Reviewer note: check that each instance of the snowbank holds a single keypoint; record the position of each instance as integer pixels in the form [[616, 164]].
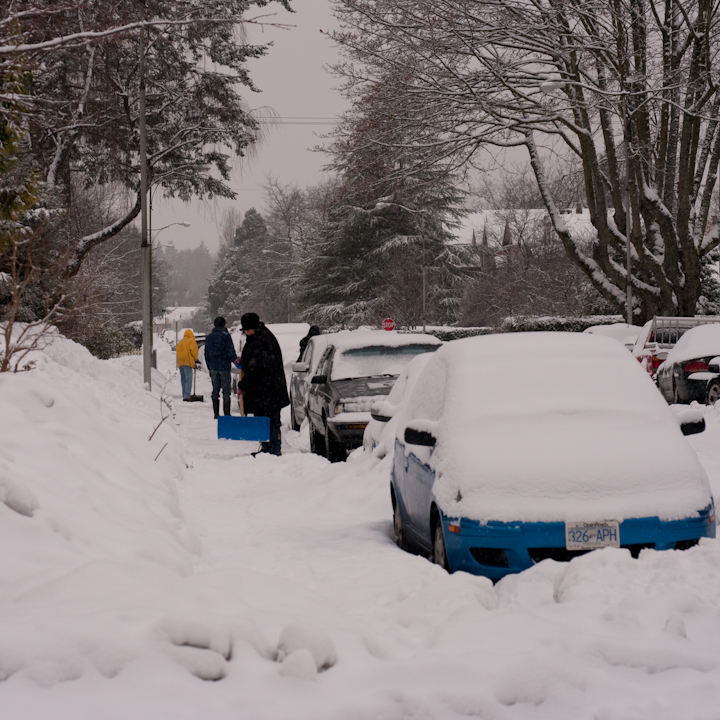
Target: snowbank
[[89, 506], [209, 584]]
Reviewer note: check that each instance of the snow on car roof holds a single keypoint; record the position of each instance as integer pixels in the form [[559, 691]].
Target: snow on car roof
[[351, 339], [697, 342], [543, 427], [618, 331]]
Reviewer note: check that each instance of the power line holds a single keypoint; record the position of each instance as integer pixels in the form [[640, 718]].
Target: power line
[[298, 120]]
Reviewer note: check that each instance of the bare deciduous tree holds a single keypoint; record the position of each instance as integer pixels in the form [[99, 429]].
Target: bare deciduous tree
[[626, 86]]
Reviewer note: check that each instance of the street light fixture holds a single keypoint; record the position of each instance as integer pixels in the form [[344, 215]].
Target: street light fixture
[[148, 314]]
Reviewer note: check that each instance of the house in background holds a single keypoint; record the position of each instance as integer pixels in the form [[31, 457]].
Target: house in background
[[496, 235]]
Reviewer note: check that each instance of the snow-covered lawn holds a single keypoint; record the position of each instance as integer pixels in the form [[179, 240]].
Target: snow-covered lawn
[[203, 583]]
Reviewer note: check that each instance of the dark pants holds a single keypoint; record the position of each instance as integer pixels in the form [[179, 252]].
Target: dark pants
[[273, 447], [220, 379]]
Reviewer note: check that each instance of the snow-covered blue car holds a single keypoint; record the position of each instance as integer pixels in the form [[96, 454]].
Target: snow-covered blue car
[[514, 448]]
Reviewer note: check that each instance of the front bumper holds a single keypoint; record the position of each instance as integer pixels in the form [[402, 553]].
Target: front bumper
[[497, 549], [349, 428]]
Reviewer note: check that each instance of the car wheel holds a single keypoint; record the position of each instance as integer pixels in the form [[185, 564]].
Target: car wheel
[[317, 442], [294, 424], [439, 555], [712, 394], [398, 528], [334, 450]]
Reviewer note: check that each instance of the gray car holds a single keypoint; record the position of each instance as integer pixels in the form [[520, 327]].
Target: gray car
[[302, 372], [356, 369]]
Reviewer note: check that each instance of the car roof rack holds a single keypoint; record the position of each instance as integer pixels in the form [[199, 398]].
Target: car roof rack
[[663, 326]]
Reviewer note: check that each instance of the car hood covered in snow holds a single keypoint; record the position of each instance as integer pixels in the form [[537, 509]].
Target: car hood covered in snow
[[543, 427]]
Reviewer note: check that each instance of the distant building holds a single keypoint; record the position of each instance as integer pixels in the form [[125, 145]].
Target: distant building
[[505, 232]]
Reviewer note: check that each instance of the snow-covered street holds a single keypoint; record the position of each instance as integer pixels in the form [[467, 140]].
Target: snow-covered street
[[205, 583]]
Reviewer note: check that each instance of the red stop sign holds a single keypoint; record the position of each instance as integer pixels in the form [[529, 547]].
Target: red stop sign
[[388, 324]]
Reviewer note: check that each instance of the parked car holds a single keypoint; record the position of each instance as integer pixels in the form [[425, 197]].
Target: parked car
[[514, 448], [356, 368], [379, 435], [660, 335], [302, 372], [692, 368]]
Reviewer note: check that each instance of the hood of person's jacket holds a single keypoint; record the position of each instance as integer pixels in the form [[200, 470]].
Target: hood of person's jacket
[[189, 334]]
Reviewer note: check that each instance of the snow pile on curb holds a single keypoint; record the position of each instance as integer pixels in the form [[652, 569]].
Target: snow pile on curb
[[87, 512]]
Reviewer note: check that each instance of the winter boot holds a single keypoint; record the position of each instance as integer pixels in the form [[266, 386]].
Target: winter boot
[[226, 406], [216, 406]]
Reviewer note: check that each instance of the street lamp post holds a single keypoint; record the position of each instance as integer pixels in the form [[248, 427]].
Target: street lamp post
[[144, 243], [147, 308]]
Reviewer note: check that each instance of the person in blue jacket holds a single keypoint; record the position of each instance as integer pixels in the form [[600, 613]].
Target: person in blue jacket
[[219, 355]]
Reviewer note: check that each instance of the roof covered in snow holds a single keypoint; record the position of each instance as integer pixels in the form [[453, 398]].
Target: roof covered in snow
[[351, 339], [503, 227]]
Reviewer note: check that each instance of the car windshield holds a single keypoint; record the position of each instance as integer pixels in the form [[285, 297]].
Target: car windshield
[[375, 360]]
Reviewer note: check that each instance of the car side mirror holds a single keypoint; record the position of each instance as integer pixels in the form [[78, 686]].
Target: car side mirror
[[693, 428], [300, 367], [419, 437], [319, 380], [382, 411]]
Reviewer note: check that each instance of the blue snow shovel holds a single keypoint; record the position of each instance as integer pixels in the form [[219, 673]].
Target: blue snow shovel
[[244, 427]]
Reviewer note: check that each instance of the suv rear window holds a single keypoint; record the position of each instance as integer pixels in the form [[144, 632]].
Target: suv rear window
[[668, 336], [375, 360]]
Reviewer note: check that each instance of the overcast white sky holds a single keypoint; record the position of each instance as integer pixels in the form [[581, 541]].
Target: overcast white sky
[[295, 85]]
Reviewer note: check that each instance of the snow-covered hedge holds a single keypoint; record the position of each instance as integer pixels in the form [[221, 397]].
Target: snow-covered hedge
[[522, 324], [550, 323], [454, 333]]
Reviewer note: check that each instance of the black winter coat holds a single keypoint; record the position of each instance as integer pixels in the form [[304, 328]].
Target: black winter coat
[[263, 374]]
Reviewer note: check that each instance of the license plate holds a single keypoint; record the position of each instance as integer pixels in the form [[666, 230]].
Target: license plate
[[588, 536]]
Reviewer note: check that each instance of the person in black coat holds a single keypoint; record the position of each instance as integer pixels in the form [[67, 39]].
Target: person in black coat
[[263, 383], [312, 332], [219, 355]]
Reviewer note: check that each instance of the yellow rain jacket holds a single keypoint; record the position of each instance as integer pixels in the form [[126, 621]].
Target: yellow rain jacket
[[187, 350]]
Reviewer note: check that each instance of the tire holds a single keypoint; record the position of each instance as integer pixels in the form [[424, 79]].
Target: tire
[[400, 540], [294, 424], [317, 442], [334, 450], [712, 395], [439, 555]]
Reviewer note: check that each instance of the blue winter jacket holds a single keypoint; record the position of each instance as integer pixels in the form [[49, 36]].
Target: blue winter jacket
[[219, 350]]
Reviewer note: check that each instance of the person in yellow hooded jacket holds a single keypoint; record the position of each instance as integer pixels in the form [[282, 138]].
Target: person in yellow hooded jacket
[[187, 355]]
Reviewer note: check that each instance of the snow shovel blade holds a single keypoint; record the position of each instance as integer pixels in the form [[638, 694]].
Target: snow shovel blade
[[244, 428], [197, 398]]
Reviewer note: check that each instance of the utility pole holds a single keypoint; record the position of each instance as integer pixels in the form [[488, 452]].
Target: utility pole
[[145, 249], [628, 212], [424, 284]]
